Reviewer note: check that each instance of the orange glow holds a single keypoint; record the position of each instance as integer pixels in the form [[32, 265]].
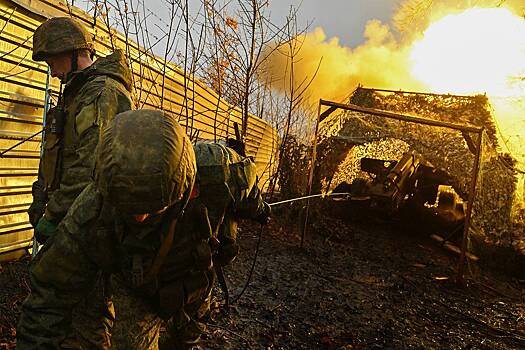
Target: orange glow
[[463, 51], [481, 50]]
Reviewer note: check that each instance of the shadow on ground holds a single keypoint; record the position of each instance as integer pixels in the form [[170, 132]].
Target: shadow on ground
[[353, 286]]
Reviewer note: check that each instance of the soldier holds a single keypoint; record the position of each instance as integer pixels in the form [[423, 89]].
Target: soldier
[[94, 93], [130, 222], [228, 187]]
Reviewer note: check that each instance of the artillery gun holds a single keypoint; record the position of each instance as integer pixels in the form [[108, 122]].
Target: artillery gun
[[408, 186]]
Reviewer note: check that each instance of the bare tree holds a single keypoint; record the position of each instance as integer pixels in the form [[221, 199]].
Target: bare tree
[[244, 37], [226, 43], [295, 92]]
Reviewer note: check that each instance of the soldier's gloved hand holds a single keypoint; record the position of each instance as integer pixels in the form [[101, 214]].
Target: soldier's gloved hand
[[44, 229], [226, 253], [37, 208], [264, 217], [36, 211]]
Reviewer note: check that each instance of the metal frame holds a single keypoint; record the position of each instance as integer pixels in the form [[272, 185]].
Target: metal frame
[[332, 106], [47, 100]]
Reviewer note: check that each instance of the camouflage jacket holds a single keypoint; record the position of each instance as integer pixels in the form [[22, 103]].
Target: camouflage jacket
[[112, 242], [90, 99], [92, 237], [228, 187]]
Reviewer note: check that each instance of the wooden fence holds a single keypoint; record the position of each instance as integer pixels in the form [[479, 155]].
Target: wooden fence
[[23, 85]]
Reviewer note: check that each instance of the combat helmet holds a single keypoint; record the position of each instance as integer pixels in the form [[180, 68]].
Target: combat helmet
[[220, 164], [60, 35], [145, 162]]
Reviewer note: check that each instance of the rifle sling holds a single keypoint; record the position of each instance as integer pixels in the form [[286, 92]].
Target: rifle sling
[[164, 249]]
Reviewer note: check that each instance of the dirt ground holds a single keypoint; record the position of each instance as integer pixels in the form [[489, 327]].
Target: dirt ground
[[365, 285]]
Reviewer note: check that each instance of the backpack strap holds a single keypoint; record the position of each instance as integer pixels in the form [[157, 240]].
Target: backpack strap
[[172, 216], [167, 241]]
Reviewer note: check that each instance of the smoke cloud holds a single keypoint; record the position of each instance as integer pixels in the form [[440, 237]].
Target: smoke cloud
[[383, 61], [412, 17]]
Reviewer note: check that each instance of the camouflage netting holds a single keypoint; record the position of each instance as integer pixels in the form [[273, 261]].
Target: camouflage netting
[[468, 110], [443, 148], [293, 177], [347, 136], [349, 168]]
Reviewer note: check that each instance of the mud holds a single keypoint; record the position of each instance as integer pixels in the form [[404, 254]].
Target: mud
[[354, 285]]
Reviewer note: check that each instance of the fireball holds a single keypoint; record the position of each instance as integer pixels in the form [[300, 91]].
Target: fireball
[[481, 50]]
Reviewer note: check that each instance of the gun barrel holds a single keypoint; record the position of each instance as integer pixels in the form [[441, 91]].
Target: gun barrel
[[402, 171]]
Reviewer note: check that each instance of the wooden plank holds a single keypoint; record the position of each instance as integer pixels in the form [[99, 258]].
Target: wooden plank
[[453, 248]]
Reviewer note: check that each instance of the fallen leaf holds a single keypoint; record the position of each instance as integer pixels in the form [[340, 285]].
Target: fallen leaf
[[419, 265]]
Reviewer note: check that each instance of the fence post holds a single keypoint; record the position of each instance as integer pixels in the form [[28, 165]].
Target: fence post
[[311, 175], [47, 97]]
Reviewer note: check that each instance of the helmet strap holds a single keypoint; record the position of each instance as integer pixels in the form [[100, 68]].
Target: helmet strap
[[74, 61], [74, 64]]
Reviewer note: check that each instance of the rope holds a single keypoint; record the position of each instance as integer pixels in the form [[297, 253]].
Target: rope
[[310, 196], [236, 299]]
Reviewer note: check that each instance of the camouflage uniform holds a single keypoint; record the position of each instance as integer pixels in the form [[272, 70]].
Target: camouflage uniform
[[59, 35], [228, 187], [183, 295], [160, 267], [91, 98]]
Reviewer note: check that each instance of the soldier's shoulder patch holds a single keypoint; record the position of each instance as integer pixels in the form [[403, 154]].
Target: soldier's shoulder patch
[[86, 118]]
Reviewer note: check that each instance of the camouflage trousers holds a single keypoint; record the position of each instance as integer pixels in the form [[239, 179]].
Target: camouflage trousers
[[138, 324], [93, 319], [69, 305]]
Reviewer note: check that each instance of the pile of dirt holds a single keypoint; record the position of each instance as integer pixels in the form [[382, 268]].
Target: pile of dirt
[[14, 287]]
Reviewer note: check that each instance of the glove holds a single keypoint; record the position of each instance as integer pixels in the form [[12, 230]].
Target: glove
[[228, 250], [44, 229], [35, 212], [264, 217], [37, 208]]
